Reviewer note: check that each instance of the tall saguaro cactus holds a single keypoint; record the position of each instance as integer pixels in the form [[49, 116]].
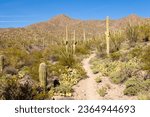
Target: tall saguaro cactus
[[84, 37], [1, 63], [66, 39], [43, 75], [74, 42], [107, 36]]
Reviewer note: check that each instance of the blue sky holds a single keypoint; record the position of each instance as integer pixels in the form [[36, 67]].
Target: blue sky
[[19, 13]]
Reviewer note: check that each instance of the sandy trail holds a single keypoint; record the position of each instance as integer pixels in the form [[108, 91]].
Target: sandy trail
[[87, 89]]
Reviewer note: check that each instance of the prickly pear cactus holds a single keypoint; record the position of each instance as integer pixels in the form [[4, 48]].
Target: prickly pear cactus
[[43, 75], [1, 63]]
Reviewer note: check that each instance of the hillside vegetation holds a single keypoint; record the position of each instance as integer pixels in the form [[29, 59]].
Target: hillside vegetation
[[44, 60]]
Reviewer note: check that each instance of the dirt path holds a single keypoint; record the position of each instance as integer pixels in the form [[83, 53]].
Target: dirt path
[[87, 89]]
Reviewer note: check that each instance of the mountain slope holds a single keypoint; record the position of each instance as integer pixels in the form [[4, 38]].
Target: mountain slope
[[57, 25]]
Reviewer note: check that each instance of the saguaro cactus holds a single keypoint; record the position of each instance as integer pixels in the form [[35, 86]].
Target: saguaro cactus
[[43, 75], [107, 36], [84, 37], [66, 39], [1, 63], [43, 41], [74, 42]]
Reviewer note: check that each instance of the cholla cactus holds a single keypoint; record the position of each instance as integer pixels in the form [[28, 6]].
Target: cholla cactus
[[107, 36], [43, 75], [1, 63]]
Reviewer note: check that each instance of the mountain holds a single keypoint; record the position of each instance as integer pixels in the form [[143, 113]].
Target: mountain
[[57, 25]]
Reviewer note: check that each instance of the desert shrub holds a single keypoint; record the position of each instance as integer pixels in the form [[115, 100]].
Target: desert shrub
[[40, 95], [67, 59], [133, 87], [11, 90], [52, 52], [144, 96], [67, 77], [118, 71], [95, 70], [64, 90], [71, 76], [94, 65], [24, 71], [35, 60], [135, 52], [146, 85], [100, 46], [132, 33], [10, 70], [82, 49], [137, 86], [145, 58], [115, 55], [119, 76], [123, 71], [82, 74], [56, 69], [144, 34], [17, 57], [116, 39], [102, 91], [100, 65], [101, 51], [98, 80]]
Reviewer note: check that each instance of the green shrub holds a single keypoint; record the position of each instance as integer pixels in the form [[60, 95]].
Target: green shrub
[[120, 74], [98, 80], [95, 70], [145, 59], [144, 34], [11, 90], [67, 59], [16, 57], [63, 90], [82, 49], [102, 91], [144, 96], [41, 96], [146, 85], [132, 33], [116, 39], [135, 52], [115, 55], [133, 87]]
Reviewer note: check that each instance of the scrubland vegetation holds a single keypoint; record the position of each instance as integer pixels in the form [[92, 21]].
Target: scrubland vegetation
[[36, 64], [128, 62], [20, 61]]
